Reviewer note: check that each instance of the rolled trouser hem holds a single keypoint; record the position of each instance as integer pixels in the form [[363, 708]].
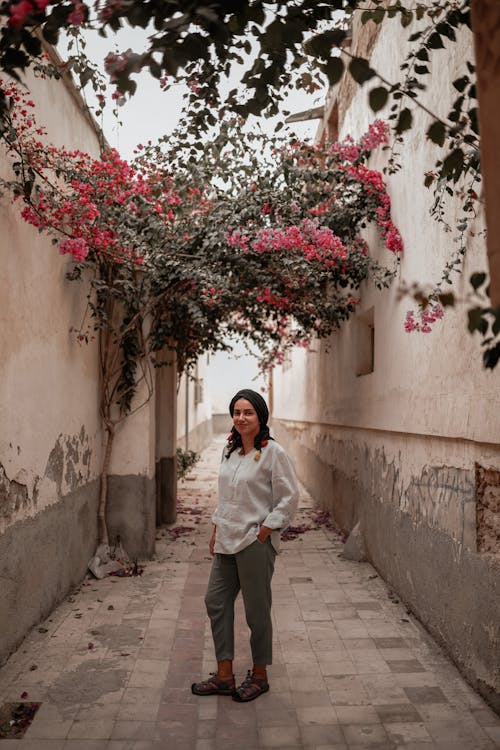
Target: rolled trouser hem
[[224, 657]]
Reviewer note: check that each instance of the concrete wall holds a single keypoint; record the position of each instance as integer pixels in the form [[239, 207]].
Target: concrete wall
[[401, 448], [50, 438], [131, 512]]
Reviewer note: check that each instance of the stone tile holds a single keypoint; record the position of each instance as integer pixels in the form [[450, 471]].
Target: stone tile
[[205, 744], [91, 729], [397, 713], [316, 715], [142, 695], [33, 744], [346, 690], [361, 714], [485, 717], [456, 731], [325, 735], [315, 698], [355, 645], [285, 736], [138, 712], [134, 730], [365, 734], [87, 745], [47, 730], [405, 666], [425, 695], [393, 642], [417, 679], [275, 717], [404, 732], [493, 733], [231, 736], [341, 667]]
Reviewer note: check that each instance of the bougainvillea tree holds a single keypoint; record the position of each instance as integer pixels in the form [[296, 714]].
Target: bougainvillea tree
[[257, 236]]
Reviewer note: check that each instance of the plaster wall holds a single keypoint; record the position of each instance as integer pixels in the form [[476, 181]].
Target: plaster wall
[[131, 508], [194, 407], [50, 439], [397, 448]]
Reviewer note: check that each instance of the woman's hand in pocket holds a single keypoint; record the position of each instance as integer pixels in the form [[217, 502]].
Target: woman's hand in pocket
[[264, 533]]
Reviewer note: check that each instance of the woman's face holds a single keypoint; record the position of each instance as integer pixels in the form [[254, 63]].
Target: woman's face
[[245, 419]]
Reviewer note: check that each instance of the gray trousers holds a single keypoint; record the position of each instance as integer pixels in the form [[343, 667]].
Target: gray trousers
[[250, 571]]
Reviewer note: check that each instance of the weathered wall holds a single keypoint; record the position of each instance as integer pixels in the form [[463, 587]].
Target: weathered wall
[[50, 439], [194, 408], [401, 448], [132, 484]]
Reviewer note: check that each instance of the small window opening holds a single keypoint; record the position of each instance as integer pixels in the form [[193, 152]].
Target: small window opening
[[365, 343]]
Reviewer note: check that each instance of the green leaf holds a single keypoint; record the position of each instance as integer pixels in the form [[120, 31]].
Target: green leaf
[[360, 70], [447, 299], [477, 280], [496, 323], [321, 44], [422, 55], [461, 83], [453, 164], [405, 121], [378, 98], [334, 69], [435, 41], [476, 321], [491, 357], [437, 133]]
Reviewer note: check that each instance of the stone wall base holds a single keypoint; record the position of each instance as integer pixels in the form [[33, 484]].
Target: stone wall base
[[131, 513], [42, 559]]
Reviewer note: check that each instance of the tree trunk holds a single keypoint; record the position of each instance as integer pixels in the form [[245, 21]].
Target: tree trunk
[[103, 527]]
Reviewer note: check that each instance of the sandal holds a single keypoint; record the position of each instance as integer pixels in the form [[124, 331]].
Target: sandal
[[214, 686], [250, 689]]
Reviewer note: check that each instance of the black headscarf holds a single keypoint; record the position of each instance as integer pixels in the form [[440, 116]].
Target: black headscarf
[[262, 412]]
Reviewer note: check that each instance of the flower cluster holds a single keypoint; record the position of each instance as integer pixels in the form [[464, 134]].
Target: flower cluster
[[376, 188], [427, 316], [315, 243], [24, 11]]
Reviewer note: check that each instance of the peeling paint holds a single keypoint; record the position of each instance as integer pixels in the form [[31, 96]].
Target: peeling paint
[[439, 497], [13, 495], [25, 494]]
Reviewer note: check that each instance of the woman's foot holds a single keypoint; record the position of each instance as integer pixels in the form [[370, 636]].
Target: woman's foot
[[214, 686], [250, 688]]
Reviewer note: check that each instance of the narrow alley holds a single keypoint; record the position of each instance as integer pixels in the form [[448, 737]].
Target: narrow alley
[[112, 666]]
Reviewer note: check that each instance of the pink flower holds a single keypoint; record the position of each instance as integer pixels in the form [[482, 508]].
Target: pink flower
[[77, 247], [77, 15], [410, 322], [19, 12]]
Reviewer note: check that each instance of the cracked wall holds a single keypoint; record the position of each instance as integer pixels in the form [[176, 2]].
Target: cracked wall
[[68, 467]]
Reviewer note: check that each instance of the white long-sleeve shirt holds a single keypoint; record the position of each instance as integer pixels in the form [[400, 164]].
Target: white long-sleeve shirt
[[254, 493]]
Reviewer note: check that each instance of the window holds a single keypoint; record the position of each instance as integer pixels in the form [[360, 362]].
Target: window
[[365, 343]]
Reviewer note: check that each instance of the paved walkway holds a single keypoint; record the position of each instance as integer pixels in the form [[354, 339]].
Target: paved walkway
[[112, 666]]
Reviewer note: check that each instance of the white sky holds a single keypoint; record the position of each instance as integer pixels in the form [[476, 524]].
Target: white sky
[[152, 113]]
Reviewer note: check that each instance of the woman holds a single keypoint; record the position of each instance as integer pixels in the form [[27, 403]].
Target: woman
[[258, 497]]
